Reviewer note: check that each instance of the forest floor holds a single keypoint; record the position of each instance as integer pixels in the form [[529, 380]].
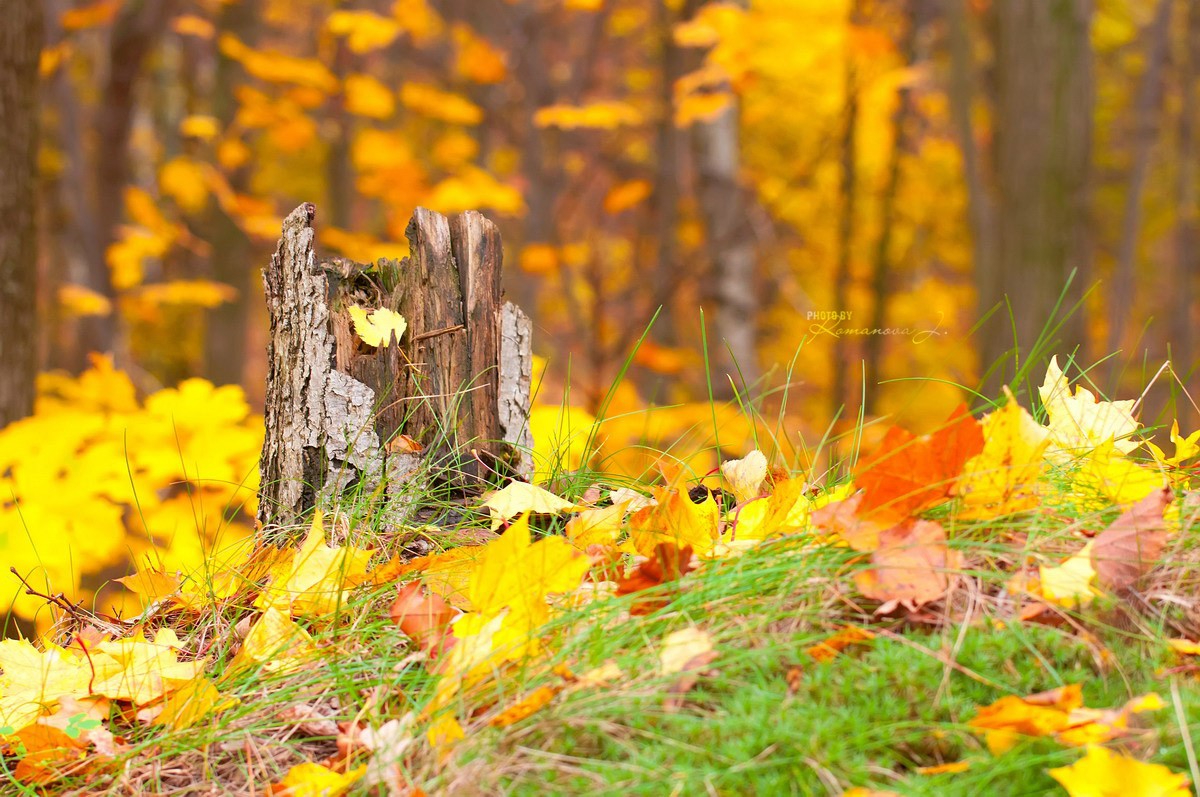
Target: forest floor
[[1006, 606]]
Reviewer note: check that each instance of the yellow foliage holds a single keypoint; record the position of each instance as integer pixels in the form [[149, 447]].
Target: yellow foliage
[[76, 300], [274, 67], [476, 59], [1103, 773], [200, 126], [472, 189], [596, 115], [364, 31], [366, 96], [200, 293], [431, 101]]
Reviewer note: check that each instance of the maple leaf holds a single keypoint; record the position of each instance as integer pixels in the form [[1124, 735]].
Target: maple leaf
[[1185, 448], [32, 681], [518, 498], [191, 702], [600, 526], [315, 780], [907, 474], [1132, 544], [377, 328], [1002, 478], [141, 671], [669, 564], [1108, 473], [676, 520], [424, 618], [1081, 423], [275, 644], [314, 583], [912, 566], [1069, 584], [1102, 773], [448, 573]]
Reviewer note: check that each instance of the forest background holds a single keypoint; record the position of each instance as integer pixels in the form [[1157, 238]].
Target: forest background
[[936, 179]]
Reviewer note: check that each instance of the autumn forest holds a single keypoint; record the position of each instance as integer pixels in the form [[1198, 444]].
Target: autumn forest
[[406, 397]]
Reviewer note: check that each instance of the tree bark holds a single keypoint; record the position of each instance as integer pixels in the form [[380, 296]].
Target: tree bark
[[839, 390], [1042, 169], [447, 404], [1185, 265], [20, 47]]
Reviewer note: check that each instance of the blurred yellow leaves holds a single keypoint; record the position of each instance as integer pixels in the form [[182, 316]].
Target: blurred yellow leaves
[[364, 31], [596, 115], [429, 100], [366, 96], [310, 779], [274, 67], [1103, 773]]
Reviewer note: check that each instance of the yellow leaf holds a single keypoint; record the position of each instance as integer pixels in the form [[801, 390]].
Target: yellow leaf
[[474, 188], [275, 644], [745, 476], [520, 498], [677, 520], [192, 702], [232, 153], [538, 259], [315, 780], [366, 96], [379, 327], [437, 104], [597, 526], [76, 300], [702, 106], [1002, 478], [448, 574], [1070, 584], [517, 574], [201, 293], [142, 671], [364, 31], [1082, 423], [192, 25], [316, 581], [1102, 773], [1118, 479], [531, 703], [1184, 646], [200, 126], [90, 16], [32, 681], [185, 181], [275, 67], [596, 115], [476, 59], [681, 647], [626, 195]]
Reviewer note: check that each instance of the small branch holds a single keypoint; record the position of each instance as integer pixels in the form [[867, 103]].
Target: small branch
[[433, 333]]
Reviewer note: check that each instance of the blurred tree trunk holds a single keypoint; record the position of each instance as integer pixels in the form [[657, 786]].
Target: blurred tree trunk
[[1145, 132], [20, 48], [666, 182], [1185, 265], [225, 349], [134, 34], [1041, 164], [716, 147], [839, 398]]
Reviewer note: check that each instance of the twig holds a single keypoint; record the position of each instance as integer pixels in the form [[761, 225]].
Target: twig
[[433, 333]]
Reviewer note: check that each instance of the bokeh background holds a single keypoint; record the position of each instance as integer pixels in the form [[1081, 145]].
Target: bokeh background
[[833, 210]]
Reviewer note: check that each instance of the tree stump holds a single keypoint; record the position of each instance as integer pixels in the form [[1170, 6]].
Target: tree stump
[[446, 404]]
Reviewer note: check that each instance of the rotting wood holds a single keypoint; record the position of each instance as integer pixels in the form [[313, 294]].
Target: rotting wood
[[448, 403]]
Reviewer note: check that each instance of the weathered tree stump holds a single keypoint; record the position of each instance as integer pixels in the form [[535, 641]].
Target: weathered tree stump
[[448, 403]]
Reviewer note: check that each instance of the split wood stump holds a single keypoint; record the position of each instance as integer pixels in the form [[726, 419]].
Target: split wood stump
[[448, 404]]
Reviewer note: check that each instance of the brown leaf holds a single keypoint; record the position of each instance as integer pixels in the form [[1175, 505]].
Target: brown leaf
[[910, 567], [1127, 549], [667, 565], [425, 618], [842, 518]]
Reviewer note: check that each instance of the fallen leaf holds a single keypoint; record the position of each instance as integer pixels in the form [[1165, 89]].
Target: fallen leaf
[[424, 618], [1081, 423], [1070, 583], [682, 648], [667, 565], [912, 566], [831, 647], [678, 520], [745, 476], [315, 780], [534, 701], [518, 498], [1132, 544], [1103, 773], [1002, 479]]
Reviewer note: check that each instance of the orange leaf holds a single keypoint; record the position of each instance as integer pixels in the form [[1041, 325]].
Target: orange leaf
[[425, 618], [907, 474], [527, 705], [668, 564]]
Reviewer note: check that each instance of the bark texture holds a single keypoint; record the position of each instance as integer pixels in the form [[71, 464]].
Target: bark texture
[[20, 46], [1041, 166], [448, 403]]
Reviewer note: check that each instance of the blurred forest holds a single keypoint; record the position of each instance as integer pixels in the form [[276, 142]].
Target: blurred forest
[[890, 168]]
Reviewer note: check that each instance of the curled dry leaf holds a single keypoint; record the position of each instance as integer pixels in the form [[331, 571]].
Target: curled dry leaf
[[424, 618], [1127, 549], [745, 476]]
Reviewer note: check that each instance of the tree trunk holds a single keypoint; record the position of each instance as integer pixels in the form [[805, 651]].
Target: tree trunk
[[839, 398], [447, 404], [1185, 265], [1042, 164], [20, 47]]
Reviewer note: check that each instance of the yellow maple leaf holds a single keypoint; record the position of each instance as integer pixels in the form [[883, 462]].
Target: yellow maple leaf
[[518, 574], [191, 702], [378, 327], [364, 31], [1103, 773], [275, 644], [142, 671], [1081, 423], [315, 780], [1070, 583], [366, 96], [1108, 473], [316, 581], [519, 498], [32, 681], [677, 520], [1002, 478], [1185, 447]]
